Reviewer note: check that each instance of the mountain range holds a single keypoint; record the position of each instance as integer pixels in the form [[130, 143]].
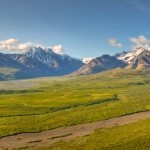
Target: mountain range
[[137, 59], [39, 62]]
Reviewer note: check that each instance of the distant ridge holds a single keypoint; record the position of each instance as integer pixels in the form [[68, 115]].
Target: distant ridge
[[100, 64], [138, 59], [39, 62]]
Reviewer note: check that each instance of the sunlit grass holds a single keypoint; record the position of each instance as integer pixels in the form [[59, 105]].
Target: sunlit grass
[[47, 103]]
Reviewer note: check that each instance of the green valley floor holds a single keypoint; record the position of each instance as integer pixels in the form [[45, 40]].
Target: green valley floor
[[45, 105]]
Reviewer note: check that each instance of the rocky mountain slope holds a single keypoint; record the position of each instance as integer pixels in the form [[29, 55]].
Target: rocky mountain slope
[[137, 59], [100, 64]]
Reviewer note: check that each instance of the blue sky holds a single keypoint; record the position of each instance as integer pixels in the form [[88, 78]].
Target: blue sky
[[82, 27]]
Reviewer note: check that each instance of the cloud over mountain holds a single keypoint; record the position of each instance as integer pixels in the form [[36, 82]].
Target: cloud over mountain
[[58, 49], [114, 42], [16, 45], [140, 41]]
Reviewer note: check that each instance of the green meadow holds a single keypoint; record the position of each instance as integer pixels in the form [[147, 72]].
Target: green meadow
[[40, 104]]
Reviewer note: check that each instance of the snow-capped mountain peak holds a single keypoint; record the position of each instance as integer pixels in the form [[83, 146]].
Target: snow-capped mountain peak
[[129, 57], [46, 56], [32, 51], [37, 51], [50, 58], [49, 50]]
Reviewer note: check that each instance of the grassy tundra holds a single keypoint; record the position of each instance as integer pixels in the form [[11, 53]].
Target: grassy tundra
[[46, 103]]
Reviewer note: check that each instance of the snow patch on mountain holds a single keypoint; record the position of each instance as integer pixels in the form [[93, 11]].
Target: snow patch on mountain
[[129, 57], [87, 60]]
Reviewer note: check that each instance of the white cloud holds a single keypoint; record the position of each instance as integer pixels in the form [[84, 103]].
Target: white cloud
[[140, 41], [16, 45], [8, 41], [114, 42], [86, 60], [58, 49]]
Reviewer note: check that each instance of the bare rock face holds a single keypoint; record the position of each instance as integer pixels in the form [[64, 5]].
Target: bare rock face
[[100, 64]]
